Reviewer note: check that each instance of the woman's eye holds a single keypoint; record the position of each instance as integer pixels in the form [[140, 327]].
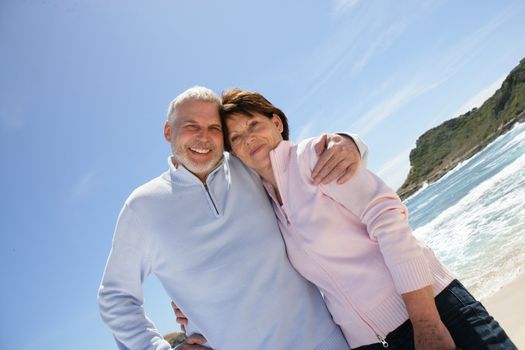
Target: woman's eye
[[234, 139]]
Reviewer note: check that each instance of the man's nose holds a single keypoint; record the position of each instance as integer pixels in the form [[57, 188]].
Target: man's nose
[[203, 133]]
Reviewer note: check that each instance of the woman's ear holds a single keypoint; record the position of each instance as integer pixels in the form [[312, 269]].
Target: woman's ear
[[276, 120]]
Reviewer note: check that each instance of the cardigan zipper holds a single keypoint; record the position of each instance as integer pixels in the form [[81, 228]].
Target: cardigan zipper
[[283, 209], [294, 236], [382, 341]]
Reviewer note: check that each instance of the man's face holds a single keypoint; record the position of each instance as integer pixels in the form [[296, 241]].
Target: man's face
[[196, 137]]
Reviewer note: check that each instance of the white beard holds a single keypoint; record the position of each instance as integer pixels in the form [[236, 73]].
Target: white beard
[[179, 156]]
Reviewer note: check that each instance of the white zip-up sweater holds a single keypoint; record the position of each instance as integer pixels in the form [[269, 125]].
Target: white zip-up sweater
[[354, 242], [218, 252]]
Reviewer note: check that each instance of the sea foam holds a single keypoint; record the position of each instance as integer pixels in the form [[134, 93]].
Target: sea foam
[[474, 217]]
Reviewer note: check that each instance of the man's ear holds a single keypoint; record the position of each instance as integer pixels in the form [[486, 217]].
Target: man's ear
[[167, 131]]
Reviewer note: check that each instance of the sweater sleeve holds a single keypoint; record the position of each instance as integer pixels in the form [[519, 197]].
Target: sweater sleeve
[[362, 147], [386, 219], [120, 294]]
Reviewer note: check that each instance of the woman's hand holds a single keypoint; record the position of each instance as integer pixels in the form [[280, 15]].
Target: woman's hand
[[432, 335], [429, 331], [193, 342], [180, 317]]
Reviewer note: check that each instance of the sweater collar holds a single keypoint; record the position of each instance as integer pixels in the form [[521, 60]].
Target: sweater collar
[[179, 174]]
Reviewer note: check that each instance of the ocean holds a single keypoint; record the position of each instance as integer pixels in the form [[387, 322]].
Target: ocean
[[474, 217]]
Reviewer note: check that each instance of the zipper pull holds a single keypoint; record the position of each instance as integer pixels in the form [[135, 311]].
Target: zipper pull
[[382, 341], [286, 216]]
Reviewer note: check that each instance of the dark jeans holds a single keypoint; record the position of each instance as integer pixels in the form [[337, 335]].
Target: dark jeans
[[466, 319]]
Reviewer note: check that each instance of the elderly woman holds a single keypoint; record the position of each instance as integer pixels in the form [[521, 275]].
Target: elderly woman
[[382, 286]]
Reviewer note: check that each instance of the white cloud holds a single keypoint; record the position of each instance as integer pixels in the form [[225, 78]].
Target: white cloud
[[467, 49], [84, 184], [382, 41], [478, 99], [388, 106], [306, 131], [347, 49], [341, 6], [424, 80], [395, 171]]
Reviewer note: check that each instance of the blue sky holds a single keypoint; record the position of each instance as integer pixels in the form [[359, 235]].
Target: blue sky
[[85, 85]]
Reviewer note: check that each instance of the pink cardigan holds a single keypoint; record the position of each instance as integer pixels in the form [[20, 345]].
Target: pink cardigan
[[354, 242]]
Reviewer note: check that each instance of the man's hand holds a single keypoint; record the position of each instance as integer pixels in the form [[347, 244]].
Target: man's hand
[[180, 317], [193, 342], [339, 159]]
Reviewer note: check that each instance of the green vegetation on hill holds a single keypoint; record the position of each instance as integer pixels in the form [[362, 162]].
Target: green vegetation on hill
[[440, 149]]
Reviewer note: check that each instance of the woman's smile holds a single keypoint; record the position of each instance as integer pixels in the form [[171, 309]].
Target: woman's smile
[[256, 149], [252, 137]]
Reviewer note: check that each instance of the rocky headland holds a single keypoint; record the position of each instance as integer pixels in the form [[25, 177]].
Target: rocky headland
[[440, 149]]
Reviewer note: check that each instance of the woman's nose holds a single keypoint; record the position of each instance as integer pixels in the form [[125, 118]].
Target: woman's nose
[[249, 138]]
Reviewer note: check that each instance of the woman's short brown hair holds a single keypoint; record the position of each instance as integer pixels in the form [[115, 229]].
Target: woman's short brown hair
[[237, 101]]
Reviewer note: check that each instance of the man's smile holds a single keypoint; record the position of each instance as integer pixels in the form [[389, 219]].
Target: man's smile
[[200, 150]]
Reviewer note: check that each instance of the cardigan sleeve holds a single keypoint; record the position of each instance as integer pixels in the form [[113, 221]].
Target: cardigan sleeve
[[386, 219], [120, 294]]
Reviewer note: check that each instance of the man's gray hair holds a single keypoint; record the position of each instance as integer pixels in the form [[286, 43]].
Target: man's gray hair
[[196, 93]]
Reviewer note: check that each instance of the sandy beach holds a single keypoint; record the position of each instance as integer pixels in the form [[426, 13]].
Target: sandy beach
[[507, 306]]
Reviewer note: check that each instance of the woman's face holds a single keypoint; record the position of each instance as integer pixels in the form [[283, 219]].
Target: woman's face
[[253, 137]]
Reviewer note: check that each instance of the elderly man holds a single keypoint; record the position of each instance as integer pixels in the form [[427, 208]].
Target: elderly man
[[220, 257]]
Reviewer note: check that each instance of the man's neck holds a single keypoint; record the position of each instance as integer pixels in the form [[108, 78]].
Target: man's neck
[[201, 176]]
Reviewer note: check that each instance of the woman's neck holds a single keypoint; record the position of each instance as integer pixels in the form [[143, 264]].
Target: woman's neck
[[268, 176]]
